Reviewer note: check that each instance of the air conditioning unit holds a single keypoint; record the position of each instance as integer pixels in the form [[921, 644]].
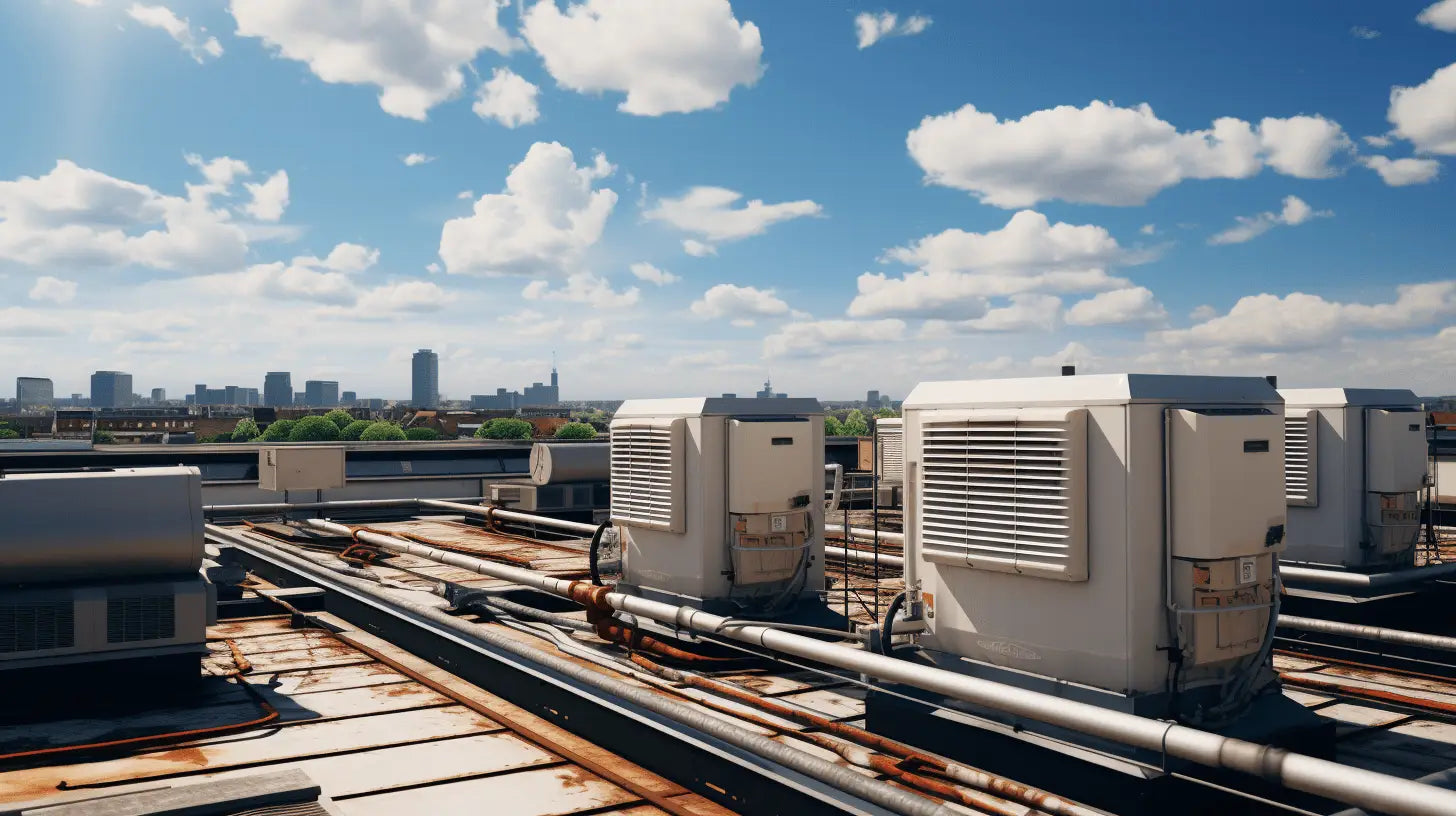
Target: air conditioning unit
[[1106, 538], [718, 501], [1355, 462], [102, 566]]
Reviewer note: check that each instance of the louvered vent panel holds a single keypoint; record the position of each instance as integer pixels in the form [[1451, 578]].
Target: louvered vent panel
[[647, 474], [1301, 465], [34, 627], [892, 452], [143, 617], [1007, 492]]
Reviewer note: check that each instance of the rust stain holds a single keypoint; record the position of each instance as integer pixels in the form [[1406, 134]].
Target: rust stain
[[574, 778], [183, 756], [1381, 695]]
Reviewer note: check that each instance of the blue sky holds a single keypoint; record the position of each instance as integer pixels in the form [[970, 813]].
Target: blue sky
[[201, 191]]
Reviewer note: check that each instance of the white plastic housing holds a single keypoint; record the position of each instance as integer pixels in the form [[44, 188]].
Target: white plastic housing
[[1360, 445], [301, 467]]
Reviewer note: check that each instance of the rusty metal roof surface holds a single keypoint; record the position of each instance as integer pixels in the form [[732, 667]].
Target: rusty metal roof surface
[[382, 733]]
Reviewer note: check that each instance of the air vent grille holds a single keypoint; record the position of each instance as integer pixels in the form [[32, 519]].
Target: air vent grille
[[1300, 462], [1008, 493], [143, 617], [892, 452], [35, 627], [647, 474]]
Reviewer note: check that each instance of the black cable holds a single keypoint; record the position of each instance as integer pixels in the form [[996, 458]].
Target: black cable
[[596, 542], [887, 629]]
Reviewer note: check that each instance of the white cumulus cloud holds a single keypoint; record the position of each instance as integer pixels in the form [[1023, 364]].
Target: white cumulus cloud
[[311, 279], [819, 337], [870, 28], [709, 213], [1440, 16], [19, 322], [583, 287], [507, 98], [667, 56], [738, 302], [1105, 154], [414, 52], [416, 159], [270, 198], [1426, 114], [957, 271], [1403, 172], [179, 29], [542, 223], [651, 274], [1249, 227], [52, 289], [1135, 305]]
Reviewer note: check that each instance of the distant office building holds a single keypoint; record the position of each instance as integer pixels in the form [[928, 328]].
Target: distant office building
[[34, 394], [349, 397], [425, 379], [872, 399], [768, 392], [372, 403], [278, 389], [111, 389], [536, 394], [501, 400], [321, 393], [159, 395]]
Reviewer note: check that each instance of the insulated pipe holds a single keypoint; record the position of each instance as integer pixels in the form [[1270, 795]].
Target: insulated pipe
[[871, 790], [344, 504], [865, 557], [1342, 783], [1360, 580], [1437, 642], [867, 534], [511, 515]]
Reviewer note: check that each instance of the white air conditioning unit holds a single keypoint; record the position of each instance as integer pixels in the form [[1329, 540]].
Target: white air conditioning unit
[[890, 460], [102, 566], [1355, 462], [1108, 538], [718, 501]]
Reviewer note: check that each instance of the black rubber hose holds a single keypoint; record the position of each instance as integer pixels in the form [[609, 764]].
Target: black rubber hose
[[887, 629], [591, 553]]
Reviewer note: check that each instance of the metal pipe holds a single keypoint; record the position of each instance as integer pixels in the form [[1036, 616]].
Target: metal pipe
[[863, 557], [867, 534], [511, 515], [341, 504], [1425, 641], [1361, 580], [865, 788], [1353, 786], [1441, 779]]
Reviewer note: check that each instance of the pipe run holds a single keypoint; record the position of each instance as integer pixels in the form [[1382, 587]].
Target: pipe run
[[1294, 576], [867, 534], [1352, 786], [896, 800], [577, 527], [1425, 641], [338, 504], [865, 557]]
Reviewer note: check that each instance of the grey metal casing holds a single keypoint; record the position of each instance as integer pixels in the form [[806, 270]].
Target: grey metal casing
[[570, 462], [689, 560], [100, 526], [118, 621], [301, 467], [1332, 528], [1107, 629]]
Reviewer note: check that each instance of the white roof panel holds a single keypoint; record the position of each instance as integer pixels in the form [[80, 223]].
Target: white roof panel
[[1094, 389]]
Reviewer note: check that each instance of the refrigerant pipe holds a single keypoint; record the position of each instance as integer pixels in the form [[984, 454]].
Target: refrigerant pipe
[[1352, 786], [1437, 642], [897, 800], [1360, 580], [867, 534]]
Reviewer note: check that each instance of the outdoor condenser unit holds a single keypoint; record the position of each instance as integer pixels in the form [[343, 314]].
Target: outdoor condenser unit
[[720, 501], [101, 566], [890, 460], [1355, 462], [1107, 538]]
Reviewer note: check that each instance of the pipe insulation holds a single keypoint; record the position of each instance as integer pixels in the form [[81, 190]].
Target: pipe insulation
[[1352, 786], [868, 789]]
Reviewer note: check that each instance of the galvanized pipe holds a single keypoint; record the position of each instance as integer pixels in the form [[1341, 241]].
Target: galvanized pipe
[[1438, 642], [867, 534], [510, 515], [865, 557], [340, 504], [1353, 786], [894, 799], [1360, 580]]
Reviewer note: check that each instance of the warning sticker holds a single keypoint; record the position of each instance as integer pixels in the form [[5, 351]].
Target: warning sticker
[[1201, 576]]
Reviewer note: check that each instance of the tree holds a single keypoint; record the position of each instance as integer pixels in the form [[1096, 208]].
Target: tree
[[421, 434], [339, 417], [576, 430], [855, 424], [103, 438], [278, 431], [246, 430], [505, 429], [887, 413], [354, 430], [8, 433], [314, 429], [382, 432], [832, 426]]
